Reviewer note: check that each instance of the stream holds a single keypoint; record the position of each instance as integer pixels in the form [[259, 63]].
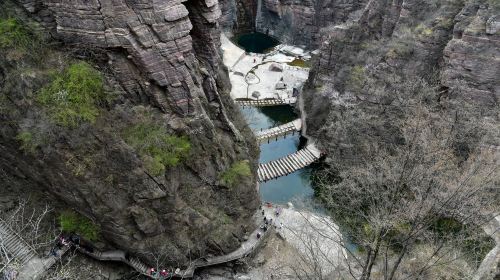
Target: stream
[[296, 187]]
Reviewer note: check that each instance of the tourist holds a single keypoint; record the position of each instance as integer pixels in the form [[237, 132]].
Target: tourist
[[63, 240], [152, 271], [258, 235], [263, 212], [163, 273], [53, 252], [265, 219], [75, 239]]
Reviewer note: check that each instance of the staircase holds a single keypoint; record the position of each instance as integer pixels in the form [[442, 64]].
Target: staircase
[[15, 245]]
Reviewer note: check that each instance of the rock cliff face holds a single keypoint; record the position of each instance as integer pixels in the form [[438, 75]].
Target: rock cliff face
[[161, 60], [238, 16], [299, 22], [292, 22], [452, 46]]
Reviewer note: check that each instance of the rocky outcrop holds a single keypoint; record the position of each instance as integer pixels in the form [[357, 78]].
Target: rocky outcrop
[[238, 16], [471, 59], [161, 59]]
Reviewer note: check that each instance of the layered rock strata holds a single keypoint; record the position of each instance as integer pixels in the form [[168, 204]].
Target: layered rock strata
[[161, 59]]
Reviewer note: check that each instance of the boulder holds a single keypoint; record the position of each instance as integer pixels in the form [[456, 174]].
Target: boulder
[[276, 67]]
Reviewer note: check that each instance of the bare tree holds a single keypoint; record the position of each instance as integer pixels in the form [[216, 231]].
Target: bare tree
[[402, 196]]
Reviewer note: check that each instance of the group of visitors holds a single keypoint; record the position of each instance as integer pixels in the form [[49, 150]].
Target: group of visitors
[[160, 274], [68, 240], [268, 222]]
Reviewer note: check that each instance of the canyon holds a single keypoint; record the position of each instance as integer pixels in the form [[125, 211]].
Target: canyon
[[379, 70]]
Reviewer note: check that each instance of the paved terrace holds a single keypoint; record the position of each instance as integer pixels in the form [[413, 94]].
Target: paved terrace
[[260, 74]]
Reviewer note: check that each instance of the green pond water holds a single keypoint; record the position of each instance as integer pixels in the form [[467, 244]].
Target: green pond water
[[296, 187], [256, 42]]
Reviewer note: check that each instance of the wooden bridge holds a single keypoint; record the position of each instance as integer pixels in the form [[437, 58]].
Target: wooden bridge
[[277, 131], [289, 164], [264, 102], [22, 257]]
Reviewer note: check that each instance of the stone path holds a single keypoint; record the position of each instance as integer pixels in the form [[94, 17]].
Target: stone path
[[31, 266], [276, 131], [289, 164]]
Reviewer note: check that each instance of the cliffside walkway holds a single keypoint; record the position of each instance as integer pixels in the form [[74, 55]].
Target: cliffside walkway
[[288, 164], [277, 131], [24, 257], [247, 247], [263, 102]]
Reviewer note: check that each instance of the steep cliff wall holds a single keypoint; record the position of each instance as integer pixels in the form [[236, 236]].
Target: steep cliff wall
[[362, 64], [238, 16], [162, 67], [299, 22]]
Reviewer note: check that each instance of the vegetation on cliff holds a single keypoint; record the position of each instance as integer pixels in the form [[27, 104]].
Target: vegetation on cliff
[[236, 172], [73, 222], [159, 150], [14, 34], [74, 95]]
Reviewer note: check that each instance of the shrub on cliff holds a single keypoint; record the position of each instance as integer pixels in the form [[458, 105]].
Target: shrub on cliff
[[158, 149], [14, 34], [19, 40], [27, 143], [236, 172], [73, 95], [70, 221]]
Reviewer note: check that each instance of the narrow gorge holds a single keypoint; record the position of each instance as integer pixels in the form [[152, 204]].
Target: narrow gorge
[[162, 132]]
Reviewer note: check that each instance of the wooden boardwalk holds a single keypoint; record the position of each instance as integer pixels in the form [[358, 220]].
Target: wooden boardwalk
[[263, 102], [246, 248], [277, 131], [289, 164]]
